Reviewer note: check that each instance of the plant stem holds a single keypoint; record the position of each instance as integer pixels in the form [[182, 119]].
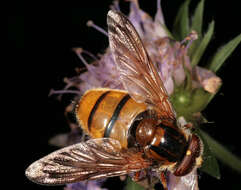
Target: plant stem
[[222, 153]]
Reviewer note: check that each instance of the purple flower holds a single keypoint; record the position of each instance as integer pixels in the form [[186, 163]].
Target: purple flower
[[144, 24], [190, 181], [86, 185], [169, 56]]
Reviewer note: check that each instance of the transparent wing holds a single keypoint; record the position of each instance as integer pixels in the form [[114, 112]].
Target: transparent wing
[[96, 158], [137, 72]]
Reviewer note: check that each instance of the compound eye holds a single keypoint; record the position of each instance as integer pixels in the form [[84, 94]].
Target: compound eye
[[190, 159], [145, 131]]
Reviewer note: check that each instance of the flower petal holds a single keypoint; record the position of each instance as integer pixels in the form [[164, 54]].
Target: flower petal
[[179, 74], [209, 81], [187, 182]]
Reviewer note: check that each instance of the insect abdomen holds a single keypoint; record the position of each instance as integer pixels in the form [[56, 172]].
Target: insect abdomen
[[108, 113]]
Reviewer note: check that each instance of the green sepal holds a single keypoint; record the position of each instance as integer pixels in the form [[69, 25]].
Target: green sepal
[[223, 53], [210, 163], [186, 103], [188, 79], [181, 23], [197, 54], [131, 185]]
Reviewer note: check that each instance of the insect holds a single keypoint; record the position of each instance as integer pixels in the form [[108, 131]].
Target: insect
[[132, 130]]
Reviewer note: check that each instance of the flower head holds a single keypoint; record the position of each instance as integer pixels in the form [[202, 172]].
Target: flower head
[[170, 56]]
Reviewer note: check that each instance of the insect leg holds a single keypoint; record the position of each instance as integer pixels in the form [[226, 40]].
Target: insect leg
[[136, 176], [163, 180]]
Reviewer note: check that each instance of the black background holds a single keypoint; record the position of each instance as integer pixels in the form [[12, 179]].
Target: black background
[[40, 38]]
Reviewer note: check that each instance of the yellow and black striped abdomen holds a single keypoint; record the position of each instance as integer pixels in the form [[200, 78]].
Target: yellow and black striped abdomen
[[108, 113]]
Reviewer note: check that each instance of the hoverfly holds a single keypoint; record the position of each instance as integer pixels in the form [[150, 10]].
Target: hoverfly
[[132, 130]]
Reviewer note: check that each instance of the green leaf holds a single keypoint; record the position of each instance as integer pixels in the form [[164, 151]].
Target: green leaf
[[131, 185], [198, 18], [222, 153], [181, 24], [223, 53], [210, 164], [197, 22], [203, 45]]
